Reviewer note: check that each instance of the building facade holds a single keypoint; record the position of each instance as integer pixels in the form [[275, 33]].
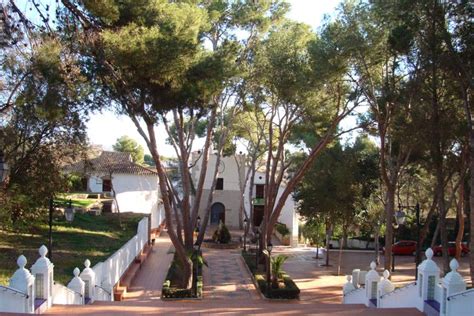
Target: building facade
[[228, 194]]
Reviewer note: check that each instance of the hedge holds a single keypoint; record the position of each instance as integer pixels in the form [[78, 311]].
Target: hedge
[[290, 291], [170, 288], [282, 229]]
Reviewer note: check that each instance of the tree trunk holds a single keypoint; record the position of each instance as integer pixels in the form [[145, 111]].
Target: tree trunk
[[377, 253], [471, 200], [339, 262], [460, 216], [389, 206]]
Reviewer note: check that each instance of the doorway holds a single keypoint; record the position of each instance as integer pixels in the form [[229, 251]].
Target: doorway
[[217, 213]]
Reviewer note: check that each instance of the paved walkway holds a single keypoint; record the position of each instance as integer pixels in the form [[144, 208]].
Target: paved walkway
[[149, 279], [229, 291], [226, 276]]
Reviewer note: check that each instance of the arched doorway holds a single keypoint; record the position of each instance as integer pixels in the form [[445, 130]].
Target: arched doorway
[[217, 213]]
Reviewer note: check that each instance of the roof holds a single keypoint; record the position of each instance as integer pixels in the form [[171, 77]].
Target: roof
[[110, 162]]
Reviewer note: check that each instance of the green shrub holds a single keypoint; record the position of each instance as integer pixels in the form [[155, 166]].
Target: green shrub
[[282, 229], [290, 291], [222, 234], [171, 288]]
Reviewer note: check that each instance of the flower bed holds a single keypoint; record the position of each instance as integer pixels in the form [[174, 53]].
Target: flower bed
[[171, 289], [289, 289]]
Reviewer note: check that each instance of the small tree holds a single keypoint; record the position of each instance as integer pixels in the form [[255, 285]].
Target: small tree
[[129, 145]]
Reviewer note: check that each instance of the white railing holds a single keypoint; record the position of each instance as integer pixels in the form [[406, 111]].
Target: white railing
[[102, 294], [65, 296], [460, 304], [12, 300], [438, 295], [109, 272], [405, 296], [356, 296]]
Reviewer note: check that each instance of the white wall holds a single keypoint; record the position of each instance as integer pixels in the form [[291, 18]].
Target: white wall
[[12, 301], [135, 193]]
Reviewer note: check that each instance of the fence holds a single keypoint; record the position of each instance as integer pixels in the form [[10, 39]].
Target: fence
[[429, 294], [87, 286]]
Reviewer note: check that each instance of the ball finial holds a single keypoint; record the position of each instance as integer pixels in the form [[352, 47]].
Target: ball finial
[[43, 251], [454, 265], [373, 265], [76, 272], [87, 263], [21, 262], [349, 278], [386, 274], [429, 253]]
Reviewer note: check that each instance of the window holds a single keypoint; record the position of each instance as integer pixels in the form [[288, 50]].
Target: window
[[259, 191], [220, 184], [106, 185], [39, 285], [431, 287]]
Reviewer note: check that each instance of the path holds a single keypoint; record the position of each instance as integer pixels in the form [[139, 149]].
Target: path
[[226, 277], [228, 290], [149, 279]]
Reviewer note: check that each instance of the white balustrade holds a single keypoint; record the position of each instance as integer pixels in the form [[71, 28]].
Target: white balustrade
[[88, 276], [77, 285], [43, 270], [372, 280]]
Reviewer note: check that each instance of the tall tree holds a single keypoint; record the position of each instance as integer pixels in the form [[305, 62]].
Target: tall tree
[[129, 145]]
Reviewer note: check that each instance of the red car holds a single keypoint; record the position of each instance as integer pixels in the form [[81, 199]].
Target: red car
[[438, 250], [403, 247]]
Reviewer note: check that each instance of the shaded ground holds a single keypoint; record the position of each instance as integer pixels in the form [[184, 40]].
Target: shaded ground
[[88, 237]]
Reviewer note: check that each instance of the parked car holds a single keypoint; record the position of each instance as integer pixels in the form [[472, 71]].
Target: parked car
[[403, 247], [438, 250]]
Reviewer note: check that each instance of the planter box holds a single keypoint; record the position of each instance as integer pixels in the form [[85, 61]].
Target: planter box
[[285, 240]]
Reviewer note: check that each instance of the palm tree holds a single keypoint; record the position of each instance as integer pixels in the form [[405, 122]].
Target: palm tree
[[277, 264]]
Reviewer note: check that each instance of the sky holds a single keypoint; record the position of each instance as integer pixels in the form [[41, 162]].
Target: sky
[[104, 128]]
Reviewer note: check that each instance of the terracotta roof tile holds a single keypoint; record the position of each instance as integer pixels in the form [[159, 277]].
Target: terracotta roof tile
[[110, 162]]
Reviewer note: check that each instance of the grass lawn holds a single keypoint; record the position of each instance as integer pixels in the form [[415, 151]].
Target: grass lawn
[[84, 203], [87, 237]]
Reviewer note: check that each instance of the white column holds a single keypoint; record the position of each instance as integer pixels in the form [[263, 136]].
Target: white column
[[428, 279], [23, 281], [371, 282], [88, 276], [355, 277], [385, 286], [348, 286], [43, 269], [77, 285], [453, 283]]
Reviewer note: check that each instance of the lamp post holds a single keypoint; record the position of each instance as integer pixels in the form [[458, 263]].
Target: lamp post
[[400, 218], [257, 234], [416, 208], [68, 214], [195, 265], [3, 168], [269, 275], [246, 222]]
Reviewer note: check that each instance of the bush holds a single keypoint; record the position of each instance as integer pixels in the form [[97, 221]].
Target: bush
[[282, 229], [222, 234], [171, 288], [290, 291]]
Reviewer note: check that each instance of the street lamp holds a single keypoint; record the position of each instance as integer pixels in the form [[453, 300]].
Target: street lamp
[[195, 265], [400, 218], [69, 212], [3, 168], [198, 221], [269, 275], [246, 222], [418, 227], [257, 235]]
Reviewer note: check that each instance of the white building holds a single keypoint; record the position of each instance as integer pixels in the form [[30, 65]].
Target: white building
[[227, 195], [135, 187]]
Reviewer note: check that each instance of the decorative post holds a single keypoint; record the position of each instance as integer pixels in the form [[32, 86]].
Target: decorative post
[[385, 286], [23, 281], [43, 272], [88, 276], [371, 282], [428, 279], [348, 286], [355, 278], [453, 283], [77, 285]]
